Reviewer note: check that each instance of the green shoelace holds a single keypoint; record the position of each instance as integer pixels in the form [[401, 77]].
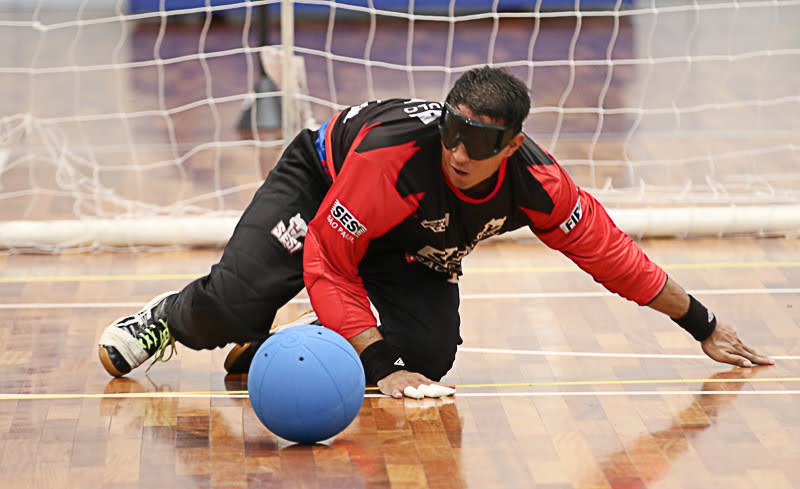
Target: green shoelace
[[161, 351]]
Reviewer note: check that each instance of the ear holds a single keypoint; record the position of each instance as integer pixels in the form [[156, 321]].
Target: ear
[[513, 145]]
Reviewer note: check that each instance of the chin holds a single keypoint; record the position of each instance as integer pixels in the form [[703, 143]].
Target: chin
[[460, 183]]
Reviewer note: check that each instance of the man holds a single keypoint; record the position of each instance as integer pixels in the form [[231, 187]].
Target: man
[[381, 204]]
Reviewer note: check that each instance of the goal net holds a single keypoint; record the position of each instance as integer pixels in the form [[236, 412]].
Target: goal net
[[128, 125]]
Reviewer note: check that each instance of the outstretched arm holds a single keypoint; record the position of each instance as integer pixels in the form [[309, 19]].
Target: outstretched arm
[[579, 227], [722, 344]]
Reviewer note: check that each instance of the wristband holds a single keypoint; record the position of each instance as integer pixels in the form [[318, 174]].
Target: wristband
[[698, 321], [380, 359]]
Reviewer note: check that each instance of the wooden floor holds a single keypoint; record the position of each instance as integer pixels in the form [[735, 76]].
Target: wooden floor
[[559, 385]]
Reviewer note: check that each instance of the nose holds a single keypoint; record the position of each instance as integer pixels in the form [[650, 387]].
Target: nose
[[460, 153]]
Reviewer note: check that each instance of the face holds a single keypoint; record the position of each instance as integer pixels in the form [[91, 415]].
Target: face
[[464, 172]]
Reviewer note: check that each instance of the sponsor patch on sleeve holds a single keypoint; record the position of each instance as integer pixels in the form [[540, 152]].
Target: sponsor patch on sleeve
[[573, 219], [344, 222], [288, 236]]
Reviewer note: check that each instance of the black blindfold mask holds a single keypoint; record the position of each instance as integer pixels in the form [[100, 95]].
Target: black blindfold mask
[[480, 140]]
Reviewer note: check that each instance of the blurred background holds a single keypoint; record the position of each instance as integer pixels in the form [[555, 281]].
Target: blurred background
[[117, 110]]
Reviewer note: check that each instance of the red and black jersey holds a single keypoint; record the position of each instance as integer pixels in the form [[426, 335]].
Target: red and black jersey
[[389, 192]]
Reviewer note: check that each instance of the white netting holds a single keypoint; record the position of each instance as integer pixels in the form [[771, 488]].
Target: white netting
[[679, 116]]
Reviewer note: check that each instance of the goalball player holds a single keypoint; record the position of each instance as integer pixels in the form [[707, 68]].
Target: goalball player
[[380, 205]]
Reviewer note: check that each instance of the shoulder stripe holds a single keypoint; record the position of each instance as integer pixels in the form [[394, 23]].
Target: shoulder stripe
[[329, 166]]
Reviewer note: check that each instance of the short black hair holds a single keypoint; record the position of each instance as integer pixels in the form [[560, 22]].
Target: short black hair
[[492, 92]]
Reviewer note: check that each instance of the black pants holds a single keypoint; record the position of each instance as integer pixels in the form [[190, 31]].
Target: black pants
[[237, 301]]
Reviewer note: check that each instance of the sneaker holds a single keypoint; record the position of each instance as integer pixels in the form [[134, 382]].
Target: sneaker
[[239, 358], [131, 340]]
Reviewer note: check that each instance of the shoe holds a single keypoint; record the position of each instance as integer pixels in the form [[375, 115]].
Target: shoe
[[129, 341], [241, 356]]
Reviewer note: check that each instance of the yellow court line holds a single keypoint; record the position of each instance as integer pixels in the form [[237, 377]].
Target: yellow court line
[[629, 382], [479, 270], [134, 395], [102, 278], [676, 266]]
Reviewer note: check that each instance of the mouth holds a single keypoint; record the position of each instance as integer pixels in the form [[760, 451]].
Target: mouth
[[458, 172]]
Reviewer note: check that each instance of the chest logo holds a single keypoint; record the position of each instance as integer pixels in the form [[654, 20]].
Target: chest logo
[[438, 225], [448, 260], [490, 229]]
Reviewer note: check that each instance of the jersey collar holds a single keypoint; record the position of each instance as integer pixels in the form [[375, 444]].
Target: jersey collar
[[466, 198]]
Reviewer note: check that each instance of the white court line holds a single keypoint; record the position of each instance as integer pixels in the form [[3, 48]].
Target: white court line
[[179, 395], [615, 393], [603, 293], [73, 305], [464, 297], [503, 351], [534, 295]]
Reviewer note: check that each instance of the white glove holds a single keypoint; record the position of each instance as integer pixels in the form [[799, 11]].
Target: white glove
[[428, 390]]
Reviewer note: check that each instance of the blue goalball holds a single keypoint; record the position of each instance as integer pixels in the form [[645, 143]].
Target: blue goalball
[[306, 383]]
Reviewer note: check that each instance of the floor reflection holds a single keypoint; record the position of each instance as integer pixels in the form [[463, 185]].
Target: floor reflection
[[409, 442], [651, 457]]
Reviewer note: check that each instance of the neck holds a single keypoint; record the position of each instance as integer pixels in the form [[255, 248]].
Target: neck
[[483, 188]]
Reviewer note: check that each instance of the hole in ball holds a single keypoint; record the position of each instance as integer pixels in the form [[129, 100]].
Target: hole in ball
[[301, 359]]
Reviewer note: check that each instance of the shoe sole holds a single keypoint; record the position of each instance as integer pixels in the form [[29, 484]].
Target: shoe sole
[[107, 363], [234, 355], [238, 350], [127, 354]]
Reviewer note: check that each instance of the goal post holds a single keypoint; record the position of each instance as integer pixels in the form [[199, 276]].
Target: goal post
[[91, 233], [120, 128]]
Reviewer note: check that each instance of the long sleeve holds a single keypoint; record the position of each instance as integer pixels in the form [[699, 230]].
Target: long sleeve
[[362, 204], [580, 228]]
